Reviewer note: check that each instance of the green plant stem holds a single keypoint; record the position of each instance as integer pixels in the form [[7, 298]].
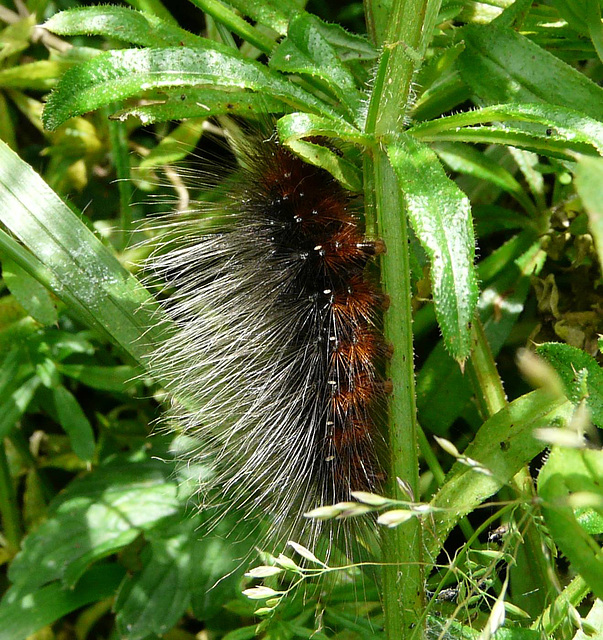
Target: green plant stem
[[403, 579], [11, 526], [121, 161], [403, 583], [155, 7], [438, 473], [222, 14], [557, 612], [484, 376], [531, 575], [459, 558]]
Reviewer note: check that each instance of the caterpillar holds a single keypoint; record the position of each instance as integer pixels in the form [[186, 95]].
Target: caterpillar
[[275, 362]]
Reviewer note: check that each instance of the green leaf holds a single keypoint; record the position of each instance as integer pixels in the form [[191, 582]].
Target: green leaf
[[32, 296], [116, 75], [500, 65], [441, 217], [40, 75], [153, 600], [503, 445], [218, 567], [590, 520], [230, 21], [306, 51], [243, 633], [70, 261], [22, 616], [118, 378], [570, 362], [94, 517], [7, 128], [589, 178], [16, 37], [293, 128], [203, 103], [468, 160], [274, 14], [13, 407], [175, 146], [566, 472], [183, 565], [595, 26], [154, 7], [123, 24], [442, 390], [349, 46], [555, 131], [74, 422]]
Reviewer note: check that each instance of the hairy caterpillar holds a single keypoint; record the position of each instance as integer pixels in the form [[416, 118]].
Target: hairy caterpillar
[[275, 359]]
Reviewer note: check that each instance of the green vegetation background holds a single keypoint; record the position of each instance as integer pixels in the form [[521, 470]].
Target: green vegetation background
[[100, 534]]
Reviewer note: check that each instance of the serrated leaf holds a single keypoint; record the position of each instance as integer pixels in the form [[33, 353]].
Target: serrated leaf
[[203, 103], [567, 471], [349, 46], [553, 130], [346, 173], [116, 75], [121, 23], [442, 391], [500, 65], [74, 422], [32, 296], [568, 361], [272, 14], [21, 616], [116, 503], [569, 124], [441, 217], [307, 52]]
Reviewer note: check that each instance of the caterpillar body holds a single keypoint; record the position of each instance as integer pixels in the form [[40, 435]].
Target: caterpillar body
[[275, 360]]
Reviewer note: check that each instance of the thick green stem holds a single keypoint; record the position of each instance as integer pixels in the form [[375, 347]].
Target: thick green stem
[[403, 579], [403, 594]]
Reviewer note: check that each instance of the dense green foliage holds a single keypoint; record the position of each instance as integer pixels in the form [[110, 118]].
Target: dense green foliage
[[478, 123]]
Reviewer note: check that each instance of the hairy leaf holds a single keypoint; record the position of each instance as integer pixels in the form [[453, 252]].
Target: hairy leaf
[[441, 217], [121, 23], [116, 75]]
